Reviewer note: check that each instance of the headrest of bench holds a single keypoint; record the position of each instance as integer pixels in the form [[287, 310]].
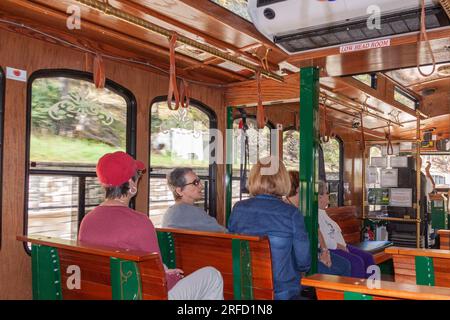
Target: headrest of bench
[[432, 253], [444, 232], [77, 246], [211, 234]]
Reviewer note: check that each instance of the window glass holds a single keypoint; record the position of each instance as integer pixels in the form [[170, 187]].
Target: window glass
[[404, 99], [179, 138], [238, 7], [72, 124], [258, 142], [291, 149], [332, 159]]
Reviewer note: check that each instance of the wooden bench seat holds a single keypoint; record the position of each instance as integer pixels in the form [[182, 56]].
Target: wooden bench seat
[[244, 261], [444, 238], [105, 273], [421, 266], [350, 225], [329, 287]]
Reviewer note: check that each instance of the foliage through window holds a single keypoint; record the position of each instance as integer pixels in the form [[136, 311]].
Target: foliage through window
[[71, 125], [291, 147], [180, 138], [332, 153]]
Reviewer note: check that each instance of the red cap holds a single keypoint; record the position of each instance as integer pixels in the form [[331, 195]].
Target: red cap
[[114, 169]]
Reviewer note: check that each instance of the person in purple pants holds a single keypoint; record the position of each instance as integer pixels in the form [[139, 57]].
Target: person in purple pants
[[332, 235]]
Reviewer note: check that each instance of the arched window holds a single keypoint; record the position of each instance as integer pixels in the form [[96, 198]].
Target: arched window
[[259, 144], [333, 155], [71, 124], [180, 138]]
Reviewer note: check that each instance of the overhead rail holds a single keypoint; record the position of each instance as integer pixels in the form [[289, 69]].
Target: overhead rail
[[112, 11]]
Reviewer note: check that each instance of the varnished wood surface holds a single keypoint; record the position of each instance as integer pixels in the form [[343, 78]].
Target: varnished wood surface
[[347, 220], [78, 246], [432, 253], [387, 288], [30, 54], [196, 249], [444, 239]]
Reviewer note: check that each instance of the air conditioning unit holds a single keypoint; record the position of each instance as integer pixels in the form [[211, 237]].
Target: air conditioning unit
[[300, 25]]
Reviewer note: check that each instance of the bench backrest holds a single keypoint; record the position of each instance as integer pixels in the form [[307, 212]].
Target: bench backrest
[[244, 261], [330, 287], [348, 221], [444, 238], [103, 272], [421, 266]]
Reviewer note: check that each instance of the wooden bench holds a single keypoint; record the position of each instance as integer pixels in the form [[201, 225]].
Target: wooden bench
[[104, 273], [244, 261], [421, 266], [444, 238], [330, 287], [350, 225]]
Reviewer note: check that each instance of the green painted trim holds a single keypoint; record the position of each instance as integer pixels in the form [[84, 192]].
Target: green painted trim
[[229, 164], [167, 248], [242, 270], [309, 144], [46, 273], [125, 280], [424, 271], [356, 296]]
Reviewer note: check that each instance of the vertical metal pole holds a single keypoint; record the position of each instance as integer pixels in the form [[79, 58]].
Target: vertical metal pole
[[229, 164], [418, 171], [309, 143]]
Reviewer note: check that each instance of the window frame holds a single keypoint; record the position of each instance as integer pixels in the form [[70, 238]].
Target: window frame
[[210, 196], [2, 126], [130, 133], [406, 95]]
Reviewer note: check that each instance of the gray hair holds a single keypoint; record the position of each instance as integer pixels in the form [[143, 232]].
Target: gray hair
[[177, 179], [323, 188]]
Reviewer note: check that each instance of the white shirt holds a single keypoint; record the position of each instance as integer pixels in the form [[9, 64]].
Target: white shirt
[[331, 232]]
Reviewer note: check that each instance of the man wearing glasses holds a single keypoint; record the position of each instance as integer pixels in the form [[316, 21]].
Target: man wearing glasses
[[187, 189]]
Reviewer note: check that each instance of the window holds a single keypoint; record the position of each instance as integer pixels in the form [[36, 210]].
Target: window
[[369, 79], [258, 147], [238, 7], [71, 124], [291, 149], [440, 167], [180, 138], [334, 158], [405, 98], [2, 100]]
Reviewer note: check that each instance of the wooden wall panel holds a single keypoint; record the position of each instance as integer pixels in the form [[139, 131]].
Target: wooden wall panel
[[30, 54]]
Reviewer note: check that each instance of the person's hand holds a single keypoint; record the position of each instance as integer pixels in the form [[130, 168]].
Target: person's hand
[[342, 247], [325, 257], [178, 272]]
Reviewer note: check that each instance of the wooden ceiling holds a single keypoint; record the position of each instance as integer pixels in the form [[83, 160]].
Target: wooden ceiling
[[205, 22]]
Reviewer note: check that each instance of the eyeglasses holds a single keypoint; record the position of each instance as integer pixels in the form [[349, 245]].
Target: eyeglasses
[[195, 183]]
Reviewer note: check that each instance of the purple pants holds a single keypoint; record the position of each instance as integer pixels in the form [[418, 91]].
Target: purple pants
[[359, 260]]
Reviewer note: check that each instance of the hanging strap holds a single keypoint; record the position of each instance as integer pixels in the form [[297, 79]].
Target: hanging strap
[[173, 89], [424, 37], [260, 115], [390, 148], [363, 138], [185, 93], [99, 72]]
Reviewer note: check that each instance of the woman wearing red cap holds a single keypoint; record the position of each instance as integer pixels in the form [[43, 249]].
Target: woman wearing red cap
[[114, 224]]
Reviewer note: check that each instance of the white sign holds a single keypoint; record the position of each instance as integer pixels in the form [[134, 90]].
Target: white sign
[[378, 162], [399, 162], [400, 197], [372, 175], [16, 74], [365, 46], [389, 178]]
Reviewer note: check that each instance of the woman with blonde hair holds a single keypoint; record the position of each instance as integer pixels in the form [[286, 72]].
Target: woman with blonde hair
[[266, 214]]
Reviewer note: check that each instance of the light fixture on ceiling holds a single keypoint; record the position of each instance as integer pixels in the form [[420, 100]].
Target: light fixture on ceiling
[[444, 71], [428, 91]]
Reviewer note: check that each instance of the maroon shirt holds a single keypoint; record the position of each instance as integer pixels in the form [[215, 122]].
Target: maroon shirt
[[121, 227]]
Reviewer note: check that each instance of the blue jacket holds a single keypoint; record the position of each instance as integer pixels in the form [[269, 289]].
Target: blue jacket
[[266, 215]]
